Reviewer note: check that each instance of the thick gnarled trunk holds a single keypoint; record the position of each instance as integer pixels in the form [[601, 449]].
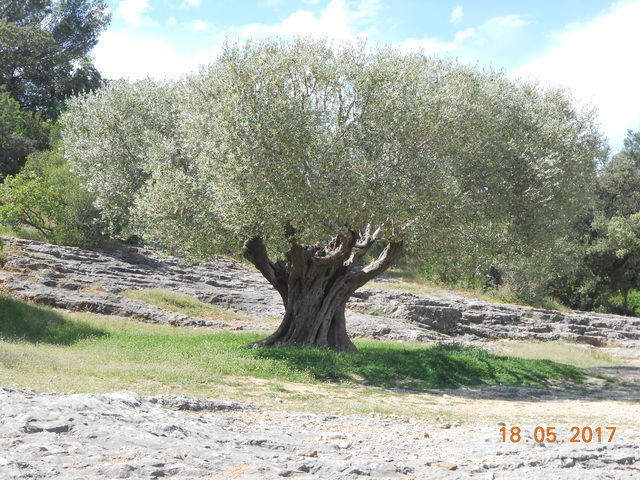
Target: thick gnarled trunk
[[315, 283]]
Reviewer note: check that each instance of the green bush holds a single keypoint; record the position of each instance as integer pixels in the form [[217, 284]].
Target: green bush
[[28, 199], [47, 196], [80, 222]]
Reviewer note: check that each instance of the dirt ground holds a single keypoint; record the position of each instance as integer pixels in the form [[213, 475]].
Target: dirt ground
[[595, 402]]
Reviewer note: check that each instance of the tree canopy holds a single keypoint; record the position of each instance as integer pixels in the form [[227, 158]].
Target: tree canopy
[[13, 145], [44, 46], [313, 154], [614, 253]]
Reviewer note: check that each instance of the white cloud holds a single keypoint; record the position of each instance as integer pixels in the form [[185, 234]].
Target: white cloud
[[434, 46], [507, 21], [340, 20], [123, 55], [495, 31], [367, 9], [457, 14], [597, 62], [462, 35], [171, 21], [191, 3], [132, 10], [494, 36], [199, 26]]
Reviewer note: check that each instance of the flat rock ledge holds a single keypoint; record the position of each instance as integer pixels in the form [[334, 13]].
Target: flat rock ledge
[[121, 435], [79, 279]]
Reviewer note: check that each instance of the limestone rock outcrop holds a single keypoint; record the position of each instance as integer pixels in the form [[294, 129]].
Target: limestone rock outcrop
[[79, 279]]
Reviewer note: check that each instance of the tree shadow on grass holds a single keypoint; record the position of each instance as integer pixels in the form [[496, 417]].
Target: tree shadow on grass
[[25, 322], [421, 368]]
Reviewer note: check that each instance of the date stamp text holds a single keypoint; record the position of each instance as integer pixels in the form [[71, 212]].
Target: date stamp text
[[549, 435]]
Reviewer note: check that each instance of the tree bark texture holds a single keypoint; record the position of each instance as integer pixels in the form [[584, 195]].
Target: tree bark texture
[[315, 283]]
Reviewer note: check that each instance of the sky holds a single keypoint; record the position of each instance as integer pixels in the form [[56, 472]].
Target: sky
[[587, 46]]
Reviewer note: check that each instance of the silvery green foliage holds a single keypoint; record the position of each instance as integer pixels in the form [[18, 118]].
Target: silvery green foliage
[[117, 137], [448, 158]]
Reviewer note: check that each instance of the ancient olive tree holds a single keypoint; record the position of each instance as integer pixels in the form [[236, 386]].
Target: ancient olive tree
[[303, 157]]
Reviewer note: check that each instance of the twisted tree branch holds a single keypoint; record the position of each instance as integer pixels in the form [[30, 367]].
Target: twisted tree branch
[[389, 255], [275, 273]]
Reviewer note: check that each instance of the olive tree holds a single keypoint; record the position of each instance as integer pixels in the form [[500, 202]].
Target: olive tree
[[303, 156], [116, 137]]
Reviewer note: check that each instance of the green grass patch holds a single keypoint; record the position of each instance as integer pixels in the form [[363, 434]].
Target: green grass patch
[[47, 349], [500, 296], [24, 232], [178, 302], [29, 323], [414, 367]]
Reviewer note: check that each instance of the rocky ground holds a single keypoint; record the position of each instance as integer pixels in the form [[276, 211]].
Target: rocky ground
[[121, 435], [90, 280]]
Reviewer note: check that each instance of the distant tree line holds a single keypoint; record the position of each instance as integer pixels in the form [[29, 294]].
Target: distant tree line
[[607, 272], [44, 60]]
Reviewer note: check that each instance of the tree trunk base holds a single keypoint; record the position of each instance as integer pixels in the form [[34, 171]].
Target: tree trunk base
[[315, 283], [315, 328]]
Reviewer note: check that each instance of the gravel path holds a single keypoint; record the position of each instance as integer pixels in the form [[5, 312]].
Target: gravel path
[[120, 435]]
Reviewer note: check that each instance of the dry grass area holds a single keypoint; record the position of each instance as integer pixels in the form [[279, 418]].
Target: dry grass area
[[406, 281]]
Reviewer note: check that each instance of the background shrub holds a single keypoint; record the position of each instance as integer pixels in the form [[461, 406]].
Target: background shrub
[[47, 196]]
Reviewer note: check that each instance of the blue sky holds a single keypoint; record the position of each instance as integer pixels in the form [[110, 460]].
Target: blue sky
[[588, 46]]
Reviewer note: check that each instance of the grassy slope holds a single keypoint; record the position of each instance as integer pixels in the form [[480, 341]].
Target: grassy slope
[[178, 302], [44, 348]]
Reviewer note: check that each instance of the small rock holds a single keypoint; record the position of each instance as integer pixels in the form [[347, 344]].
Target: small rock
[[312, 453], [445, 465], [357, 471], [589, 340], [568, 462], [59, 429], [120, 471], [32, 429]]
